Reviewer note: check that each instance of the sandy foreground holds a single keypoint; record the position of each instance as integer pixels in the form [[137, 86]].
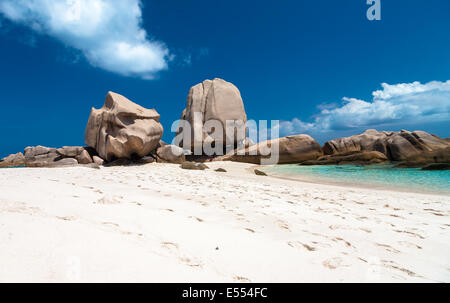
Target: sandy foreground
[[159, 223]]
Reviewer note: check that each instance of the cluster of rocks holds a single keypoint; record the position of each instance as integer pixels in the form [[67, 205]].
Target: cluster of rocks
[[119, 133], [356, 158], [123, 132], [409, 149], [41, 156]]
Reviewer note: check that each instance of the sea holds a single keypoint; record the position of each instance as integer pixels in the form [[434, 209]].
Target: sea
[[380, 176]]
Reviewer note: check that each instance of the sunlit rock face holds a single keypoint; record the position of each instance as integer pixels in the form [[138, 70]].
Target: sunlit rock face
[[123, 129], [290, 149], [397, 146], [213, 100]]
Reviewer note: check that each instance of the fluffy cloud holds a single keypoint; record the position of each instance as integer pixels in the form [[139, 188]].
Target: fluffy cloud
[[394, 105], [108, 32]]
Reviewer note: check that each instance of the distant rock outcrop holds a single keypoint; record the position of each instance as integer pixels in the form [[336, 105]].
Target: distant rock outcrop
[[123, 129], [357, 158], [406, 145], [370, 140], [291, 149], [41, 156], [427, 157], [397, 146], [13, 160], [213, 100]]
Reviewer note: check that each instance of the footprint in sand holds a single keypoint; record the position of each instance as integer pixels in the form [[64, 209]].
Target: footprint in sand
[[174, 249], [196, 218], [388, 248], [409, 244], [348, 244], [298, 244], [332, 263], [413, 234], [241, 279], [67, 218], [366, 230], [393, 265], [109, 199], [283, 225], [110, 223]]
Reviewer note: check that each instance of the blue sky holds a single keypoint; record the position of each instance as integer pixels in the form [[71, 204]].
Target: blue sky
[[320, 67]]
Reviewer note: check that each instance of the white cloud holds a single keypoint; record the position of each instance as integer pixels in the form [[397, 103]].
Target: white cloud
[[394, 105], [108, 32]]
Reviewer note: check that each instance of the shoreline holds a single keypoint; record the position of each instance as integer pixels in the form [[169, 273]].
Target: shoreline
[[307, 179], [347, 184]]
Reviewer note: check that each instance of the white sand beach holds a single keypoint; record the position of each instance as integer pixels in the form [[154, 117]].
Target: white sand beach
[[160, 223]]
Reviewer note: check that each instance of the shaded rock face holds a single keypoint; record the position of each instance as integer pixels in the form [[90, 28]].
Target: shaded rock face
[[213, 100], [437, 166], [358, 158], [397, 146], [291, 149], [369, 140], [123, 129], [424, 158], [171, 154]]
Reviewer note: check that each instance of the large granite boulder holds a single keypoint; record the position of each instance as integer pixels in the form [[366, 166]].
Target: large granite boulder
[[291, 149], [213, 100], [370, 140], [123, 129], [427, 157], [397, 146], [406, 145]]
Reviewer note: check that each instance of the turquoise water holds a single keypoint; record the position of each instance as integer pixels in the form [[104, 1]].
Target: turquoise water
[[14, 166], [379, 175]]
